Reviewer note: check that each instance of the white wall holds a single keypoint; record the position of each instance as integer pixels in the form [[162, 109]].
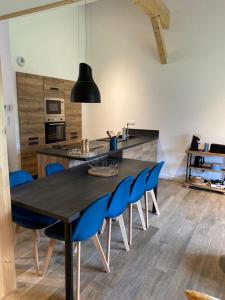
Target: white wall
[[185, 96], [49, 42], [10, 98], [52, 42]]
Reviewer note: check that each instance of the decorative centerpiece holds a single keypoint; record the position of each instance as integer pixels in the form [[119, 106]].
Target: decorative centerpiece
[[104, 168]]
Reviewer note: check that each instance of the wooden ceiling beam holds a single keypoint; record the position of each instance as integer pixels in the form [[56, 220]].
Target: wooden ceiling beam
[[36, 9], [160, 18], [156, 24], [155, 8]]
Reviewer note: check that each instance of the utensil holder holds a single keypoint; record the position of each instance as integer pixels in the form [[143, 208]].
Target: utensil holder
[[113, 143]]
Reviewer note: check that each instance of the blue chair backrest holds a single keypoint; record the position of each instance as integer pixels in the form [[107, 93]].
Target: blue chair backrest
[[153, 177], [53, 168], [139, 186], [120, 198], [91, 219], [20, 177]]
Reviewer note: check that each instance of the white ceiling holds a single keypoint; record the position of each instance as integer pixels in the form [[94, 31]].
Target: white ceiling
[[11, 6]]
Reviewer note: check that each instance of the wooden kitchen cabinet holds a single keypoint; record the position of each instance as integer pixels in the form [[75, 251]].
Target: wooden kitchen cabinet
[[31, 121], [31, 91], [29, 85], [52, 85], [73, 116]]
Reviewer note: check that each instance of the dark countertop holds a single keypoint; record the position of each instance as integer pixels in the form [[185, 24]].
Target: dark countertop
[[100, 147]]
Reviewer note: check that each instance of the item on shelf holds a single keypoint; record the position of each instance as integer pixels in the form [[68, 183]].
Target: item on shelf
[[216, 167], [87, 146], [219, 184], [83, 146], [206, 147], [216, 148], [199, 161], [201, 147], [198, 180], [194, 143]]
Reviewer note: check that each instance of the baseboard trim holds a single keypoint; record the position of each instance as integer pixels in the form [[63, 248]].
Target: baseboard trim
[[181, 179]]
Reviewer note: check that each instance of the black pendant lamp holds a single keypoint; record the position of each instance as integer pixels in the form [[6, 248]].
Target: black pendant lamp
[[85, 89]]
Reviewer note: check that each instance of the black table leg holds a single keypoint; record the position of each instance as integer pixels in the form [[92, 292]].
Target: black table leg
[[156, 194], [68, 261]]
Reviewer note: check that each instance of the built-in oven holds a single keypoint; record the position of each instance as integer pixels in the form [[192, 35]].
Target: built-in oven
[[55, 132], [54, 109]]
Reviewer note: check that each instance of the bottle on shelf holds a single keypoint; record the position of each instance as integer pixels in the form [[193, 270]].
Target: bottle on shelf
[[87, 146]]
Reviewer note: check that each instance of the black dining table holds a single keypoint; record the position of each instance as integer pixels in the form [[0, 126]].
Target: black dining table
[[64, 195]]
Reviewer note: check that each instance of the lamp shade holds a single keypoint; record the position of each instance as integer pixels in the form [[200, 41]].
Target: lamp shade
[[85, 89]]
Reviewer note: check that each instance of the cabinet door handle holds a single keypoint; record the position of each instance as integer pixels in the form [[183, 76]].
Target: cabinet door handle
[[34, 143], [54, 89], [33, 138]]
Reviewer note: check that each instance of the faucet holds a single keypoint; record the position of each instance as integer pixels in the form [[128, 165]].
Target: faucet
[[129, 123]]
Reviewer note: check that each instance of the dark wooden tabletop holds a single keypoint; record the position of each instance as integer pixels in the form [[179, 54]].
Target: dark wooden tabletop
[[64, 195]]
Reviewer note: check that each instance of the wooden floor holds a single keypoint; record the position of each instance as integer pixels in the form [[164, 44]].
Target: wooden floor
[[182, 249]]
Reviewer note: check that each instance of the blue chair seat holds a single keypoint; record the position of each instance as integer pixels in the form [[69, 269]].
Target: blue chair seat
[[139, 186], [54, 168], [81, 231], [29, 219], [26, 218], [56, 231], [137, 192], [83, 228]]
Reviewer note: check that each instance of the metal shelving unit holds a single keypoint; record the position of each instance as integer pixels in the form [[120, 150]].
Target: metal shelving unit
[[206, 168]]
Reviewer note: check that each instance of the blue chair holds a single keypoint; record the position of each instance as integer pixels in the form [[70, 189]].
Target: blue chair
[[137, 193], [26, 218], [152, 183], [83, 228], [53, 168], [118, 204]]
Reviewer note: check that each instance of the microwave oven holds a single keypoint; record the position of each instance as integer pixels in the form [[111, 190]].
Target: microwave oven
[[54, 109]]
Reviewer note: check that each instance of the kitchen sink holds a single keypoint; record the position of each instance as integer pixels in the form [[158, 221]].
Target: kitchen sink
[[119, 140]]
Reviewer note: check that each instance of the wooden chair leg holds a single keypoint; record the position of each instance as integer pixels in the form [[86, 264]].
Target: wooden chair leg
[[35, 251], [109, 223], [78, 271], [123, 231], [103, 227], [98, 247], [17, 230], [38, 236], [75, 248], [130, 223], [155, 202], [140, 211], [146, 210], [51, 246]]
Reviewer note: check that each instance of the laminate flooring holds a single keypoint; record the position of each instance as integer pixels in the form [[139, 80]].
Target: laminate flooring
[[184, 248]]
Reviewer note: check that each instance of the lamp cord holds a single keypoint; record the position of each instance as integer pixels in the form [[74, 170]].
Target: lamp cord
[[86, 31], [78, 33]]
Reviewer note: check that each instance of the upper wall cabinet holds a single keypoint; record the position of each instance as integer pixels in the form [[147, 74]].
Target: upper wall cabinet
[[29, 85], [53, 86]]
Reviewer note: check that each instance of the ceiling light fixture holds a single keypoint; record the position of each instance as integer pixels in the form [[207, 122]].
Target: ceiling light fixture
[[85, 89]]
